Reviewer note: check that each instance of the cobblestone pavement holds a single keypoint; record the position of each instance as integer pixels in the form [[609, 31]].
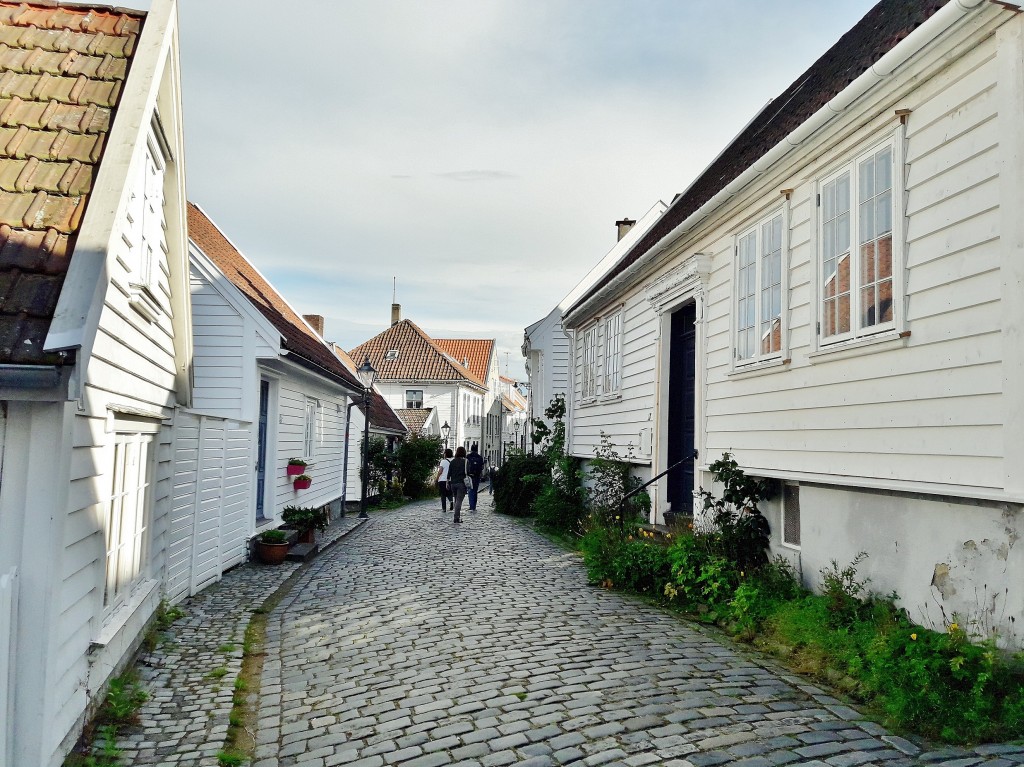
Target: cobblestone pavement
[[190, 676], [420, 643]]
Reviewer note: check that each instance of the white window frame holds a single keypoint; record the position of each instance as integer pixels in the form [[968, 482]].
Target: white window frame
[[588, 362], [309, 436], [127, 515], [611, 374], [146, 237], [409, 399], [857, 329], [756, 234]]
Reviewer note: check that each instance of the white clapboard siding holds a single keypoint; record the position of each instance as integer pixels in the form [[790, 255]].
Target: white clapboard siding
[[929, 410], [219, 351], [8, 629], [212, 507]]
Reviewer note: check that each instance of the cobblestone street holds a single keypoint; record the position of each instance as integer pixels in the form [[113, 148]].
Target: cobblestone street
[[420, 643]]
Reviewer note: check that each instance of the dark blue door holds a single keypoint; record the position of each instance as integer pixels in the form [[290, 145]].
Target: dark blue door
[[261, 448], [681, 419]]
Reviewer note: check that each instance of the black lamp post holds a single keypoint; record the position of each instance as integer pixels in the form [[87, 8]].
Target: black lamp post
[[367, 375], [517, 426], [446, 430]]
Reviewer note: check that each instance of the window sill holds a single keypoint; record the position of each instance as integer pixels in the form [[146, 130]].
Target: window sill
[[589, 401], [611, 397], [889, 339], [120, 617], [757, 368]]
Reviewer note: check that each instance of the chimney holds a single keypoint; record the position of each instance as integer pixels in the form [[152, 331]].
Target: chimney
[[317, 321], [624, 226], [396, 314]]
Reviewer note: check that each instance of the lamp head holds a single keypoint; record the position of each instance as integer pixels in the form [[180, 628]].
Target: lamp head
[[366, 374], [446, 430]]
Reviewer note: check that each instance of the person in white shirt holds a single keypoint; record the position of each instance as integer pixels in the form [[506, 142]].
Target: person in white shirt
[[442, 481]]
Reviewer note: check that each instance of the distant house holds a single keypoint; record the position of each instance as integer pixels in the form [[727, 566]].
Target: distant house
[[267, 388], [546, 345], [422, 421], [836, 300], [416, 372], [385, 422], [95, 353], [480, 357]]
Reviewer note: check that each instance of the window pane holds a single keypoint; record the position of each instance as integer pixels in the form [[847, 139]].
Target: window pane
[[867, 179], [844, 313], [883, 170], [883, 213], [867, 221], [843, 194], [843, 233]]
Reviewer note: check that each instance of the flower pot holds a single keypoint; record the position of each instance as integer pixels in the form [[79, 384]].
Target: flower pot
[[302, 484], [294, 470], [307, 536], [271, 553]]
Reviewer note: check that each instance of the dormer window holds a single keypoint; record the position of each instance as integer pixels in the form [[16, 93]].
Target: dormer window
[[391, 356]]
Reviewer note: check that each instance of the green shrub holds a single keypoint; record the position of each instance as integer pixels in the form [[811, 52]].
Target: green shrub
[[519, 482], [417, 458], [600, 547], [641, 567]]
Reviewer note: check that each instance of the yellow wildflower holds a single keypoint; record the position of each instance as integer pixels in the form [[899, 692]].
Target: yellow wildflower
[[914, 637], [954, 626]]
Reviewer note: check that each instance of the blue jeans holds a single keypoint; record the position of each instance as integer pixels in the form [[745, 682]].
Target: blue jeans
[[473, 492]]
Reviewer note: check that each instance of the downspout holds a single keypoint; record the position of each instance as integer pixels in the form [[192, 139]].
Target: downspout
[[881, 70]]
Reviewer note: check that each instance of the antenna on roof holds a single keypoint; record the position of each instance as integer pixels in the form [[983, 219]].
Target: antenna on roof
[[396, 308], [394, 290]]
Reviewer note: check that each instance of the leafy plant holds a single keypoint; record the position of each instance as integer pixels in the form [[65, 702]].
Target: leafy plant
[[519, 482], [843, 590], [125, 697], [417, 458], [610, 479], [297, 462], [742, 533], [273, 536], [306, 518]]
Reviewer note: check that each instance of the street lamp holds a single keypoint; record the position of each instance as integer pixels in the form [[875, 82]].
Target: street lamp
[[367, 375], [446, 430], [516, 426]]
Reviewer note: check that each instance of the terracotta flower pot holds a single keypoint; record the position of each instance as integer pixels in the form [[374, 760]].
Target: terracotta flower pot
[[302, 484], [271, 553], [294, 469], [307, 536]]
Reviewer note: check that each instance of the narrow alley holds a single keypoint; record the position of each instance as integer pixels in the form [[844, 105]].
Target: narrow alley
[[419, 643]]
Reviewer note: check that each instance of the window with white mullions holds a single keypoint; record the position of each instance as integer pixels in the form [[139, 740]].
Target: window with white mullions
[[589, 379], [759, 291], [613, 354], [309, 442], [857, 286], [414, 398], [126, 512]]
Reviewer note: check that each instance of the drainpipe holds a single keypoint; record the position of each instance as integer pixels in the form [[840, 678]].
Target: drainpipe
[[344, 465], [881, 70]]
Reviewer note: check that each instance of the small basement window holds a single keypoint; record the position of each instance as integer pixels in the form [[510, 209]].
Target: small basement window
[[791, 515]]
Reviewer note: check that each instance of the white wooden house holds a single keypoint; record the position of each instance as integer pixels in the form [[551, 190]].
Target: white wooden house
[[95, 353], [837, 300], [267, 388], [546, 346], [415, 372]]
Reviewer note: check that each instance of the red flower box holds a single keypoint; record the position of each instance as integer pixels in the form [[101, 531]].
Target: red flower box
[[302, 484], [295, 469]]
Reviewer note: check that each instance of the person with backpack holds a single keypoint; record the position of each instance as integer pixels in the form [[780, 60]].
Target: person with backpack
[[475, 463]]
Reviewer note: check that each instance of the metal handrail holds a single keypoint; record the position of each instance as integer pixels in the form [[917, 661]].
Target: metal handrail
[[651, 481]]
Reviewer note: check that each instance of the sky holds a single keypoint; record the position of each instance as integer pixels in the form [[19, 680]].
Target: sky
[[478, 152]]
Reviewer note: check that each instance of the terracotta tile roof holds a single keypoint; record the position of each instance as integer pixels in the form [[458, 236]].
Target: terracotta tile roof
[[299, 339], [476, 351], [885, 25], [382, 415], [418, 358], [414, 418], [62, 69]]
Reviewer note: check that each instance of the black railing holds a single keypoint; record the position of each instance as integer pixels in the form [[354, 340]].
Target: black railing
[[651, 481]]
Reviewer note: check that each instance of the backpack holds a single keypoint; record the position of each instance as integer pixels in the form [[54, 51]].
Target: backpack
[[475, 464]]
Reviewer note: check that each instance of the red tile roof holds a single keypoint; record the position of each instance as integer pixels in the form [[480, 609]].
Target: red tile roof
[[382, 415], [476, 351], [299, 339], [414, 418], [885, 25], [418, 357], [62, 69]]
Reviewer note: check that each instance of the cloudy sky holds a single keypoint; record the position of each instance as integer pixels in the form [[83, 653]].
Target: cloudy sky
[[479, 151]]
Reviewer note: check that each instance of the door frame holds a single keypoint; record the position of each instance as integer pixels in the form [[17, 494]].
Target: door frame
[[687, 282], [269, 506]]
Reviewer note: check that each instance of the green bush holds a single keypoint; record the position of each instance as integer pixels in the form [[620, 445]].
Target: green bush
[[641, 567], [600, 547], [519, 482], [417, 458]]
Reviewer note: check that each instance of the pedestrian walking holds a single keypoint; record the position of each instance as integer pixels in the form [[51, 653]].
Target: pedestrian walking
[[475, 462], [492, 473], [442, 480], [458, 476]]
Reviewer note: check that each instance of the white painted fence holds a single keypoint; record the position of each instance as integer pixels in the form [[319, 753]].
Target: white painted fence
[[212, 505], [8, 629]]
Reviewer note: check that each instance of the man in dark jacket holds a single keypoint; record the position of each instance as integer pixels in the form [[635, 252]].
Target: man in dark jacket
[[475, 466]]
